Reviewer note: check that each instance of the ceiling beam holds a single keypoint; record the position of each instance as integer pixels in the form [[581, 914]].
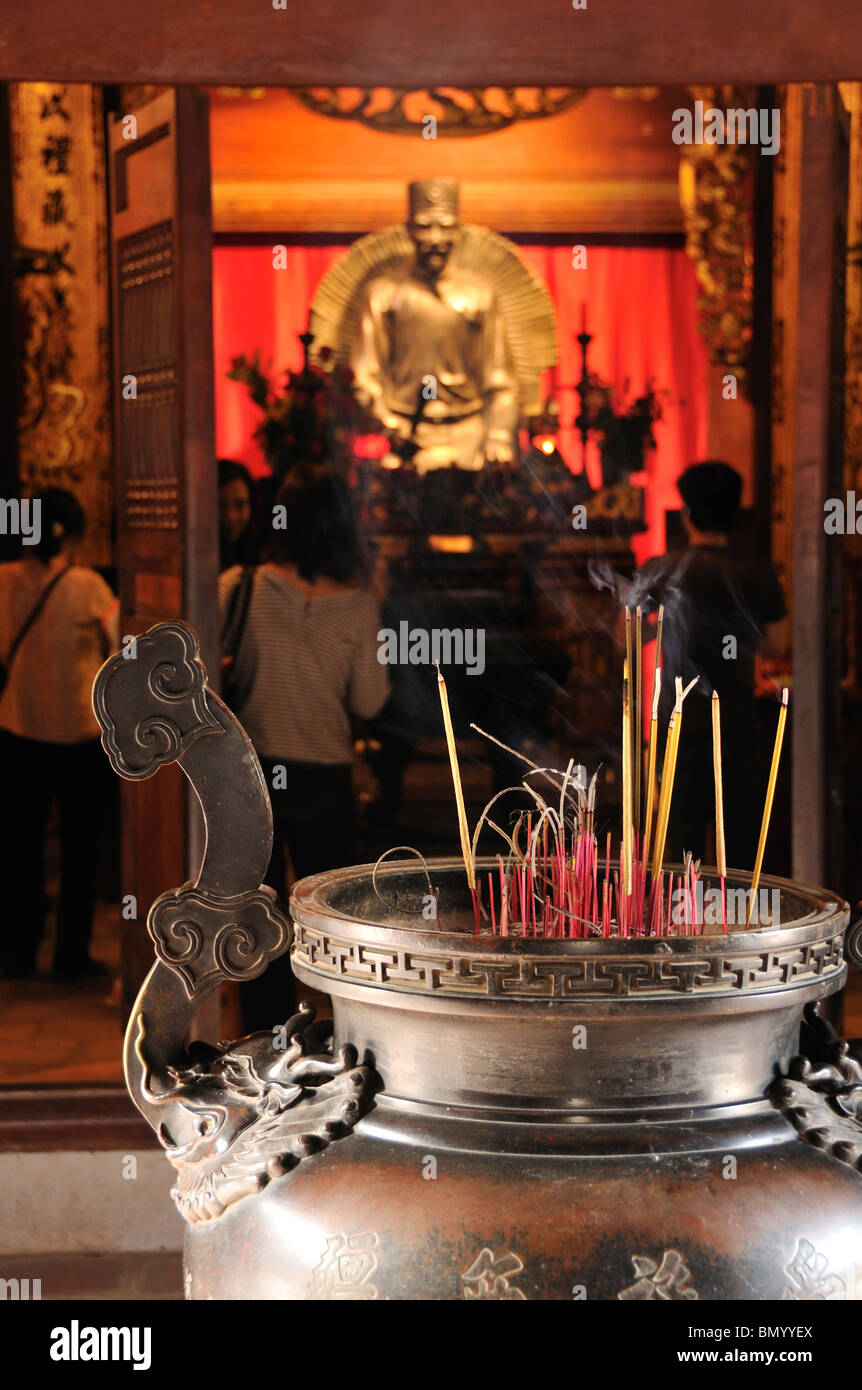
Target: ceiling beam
[[392, 42]]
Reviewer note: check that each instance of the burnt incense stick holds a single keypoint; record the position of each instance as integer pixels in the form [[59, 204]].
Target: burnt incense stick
[[506, 748], [658, 631], [637, 716], [459, 791], [767, 807], [629, 636]]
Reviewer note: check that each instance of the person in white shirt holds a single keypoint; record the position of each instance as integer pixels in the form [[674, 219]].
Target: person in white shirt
[[49, 740]]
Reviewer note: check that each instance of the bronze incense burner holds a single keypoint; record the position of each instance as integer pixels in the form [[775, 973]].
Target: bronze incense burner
[[494, 1118]]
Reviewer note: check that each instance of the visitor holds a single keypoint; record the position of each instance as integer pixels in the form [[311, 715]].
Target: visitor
[[305, 661], [718, 607], [239, 540], [58, 622]]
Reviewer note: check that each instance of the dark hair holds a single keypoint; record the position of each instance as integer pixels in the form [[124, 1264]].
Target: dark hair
[[62, 519], [711, 491], [317, 530], [231, 471]]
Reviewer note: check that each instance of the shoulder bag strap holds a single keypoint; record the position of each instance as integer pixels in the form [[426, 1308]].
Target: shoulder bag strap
[[33, 615], [237, 615]]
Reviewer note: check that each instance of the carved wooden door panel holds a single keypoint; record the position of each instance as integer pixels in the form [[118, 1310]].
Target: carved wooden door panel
[[166, 507]]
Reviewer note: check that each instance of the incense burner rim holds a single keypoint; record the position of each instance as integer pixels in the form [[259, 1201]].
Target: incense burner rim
[[347, 957], [311, 906]]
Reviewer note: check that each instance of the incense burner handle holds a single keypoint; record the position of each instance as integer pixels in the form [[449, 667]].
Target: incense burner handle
[[821, 1095], [853, 943], [154, 706]]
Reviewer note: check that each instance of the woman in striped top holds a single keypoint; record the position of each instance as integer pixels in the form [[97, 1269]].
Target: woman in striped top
[[306, 661]]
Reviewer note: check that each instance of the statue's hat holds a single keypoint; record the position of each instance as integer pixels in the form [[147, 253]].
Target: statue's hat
[[438, 194]]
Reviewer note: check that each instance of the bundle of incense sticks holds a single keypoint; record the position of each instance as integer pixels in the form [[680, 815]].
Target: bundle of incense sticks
[[554, 881]]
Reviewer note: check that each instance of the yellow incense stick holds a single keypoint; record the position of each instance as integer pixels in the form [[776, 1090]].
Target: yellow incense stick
[[720, 856], [456, 780], [674, 729], [637, 732], [767, 808], [627, 785], [667, 777], [653, 742]]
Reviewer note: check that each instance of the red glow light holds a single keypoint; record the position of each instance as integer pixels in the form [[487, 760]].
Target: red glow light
[[545, 442], [370, 446]]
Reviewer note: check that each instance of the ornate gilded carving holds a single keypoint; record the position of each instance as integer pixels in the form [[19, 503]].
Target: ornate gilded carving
[[150, 709], [237, 1116], [457, 111], [715, 194], [61, 282]]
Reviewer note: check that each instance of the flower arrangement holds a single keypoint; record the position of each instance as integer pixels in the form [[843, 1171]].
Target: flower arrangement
[[310, 417], [626, 434]]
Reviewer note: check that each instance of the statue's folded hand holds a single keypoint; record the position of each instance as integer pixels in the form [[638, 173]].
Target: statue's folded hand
[[498, 450]]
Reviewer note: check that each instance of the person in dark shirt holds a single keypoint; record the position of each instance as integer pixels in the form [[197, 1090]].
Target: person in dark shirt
[[718, 604]]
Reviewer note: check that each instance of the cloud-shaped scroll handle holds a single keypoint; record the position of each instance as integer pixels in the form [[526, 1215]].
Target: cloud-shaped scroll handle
[[161, 673]]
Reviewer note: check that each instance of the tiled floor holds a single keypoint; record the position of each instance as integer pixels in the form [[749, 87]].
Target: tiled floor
[[137, 1274], [63, 1033]]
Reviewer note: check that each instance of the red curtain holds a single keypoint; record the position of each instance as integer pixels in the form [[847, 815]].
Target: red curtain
[[639, 304]]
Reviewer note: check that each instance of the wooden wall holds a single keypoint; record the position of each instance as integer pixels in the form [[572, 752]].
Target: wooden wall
[[607, 165], [276, 42]]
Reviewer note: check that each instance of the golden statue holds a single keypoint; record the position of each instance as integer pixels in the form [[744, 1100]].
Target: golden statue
[[446, 331]]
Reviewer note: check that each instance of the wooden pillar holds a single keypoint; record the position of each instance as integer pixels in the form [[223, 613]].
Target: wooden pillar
[[822, 153], [9, 379]]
